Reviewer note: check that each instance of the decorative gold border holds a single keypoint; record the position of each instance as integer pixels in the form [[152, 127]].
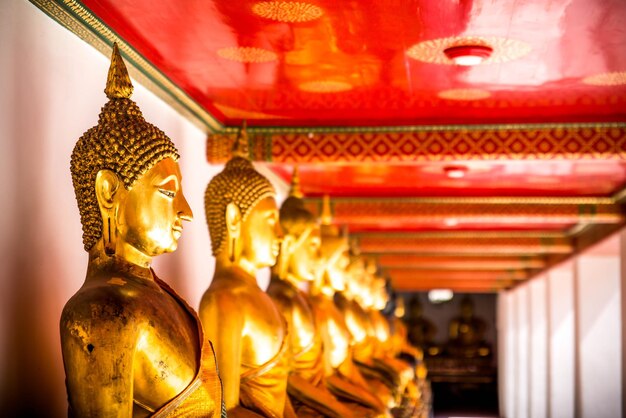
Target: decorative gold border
[[79, 20], [281, 130]]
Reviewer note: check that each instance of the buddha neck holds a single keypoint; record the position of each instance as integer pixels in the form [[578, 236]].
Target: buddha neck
[[100, 263], [227, 269]]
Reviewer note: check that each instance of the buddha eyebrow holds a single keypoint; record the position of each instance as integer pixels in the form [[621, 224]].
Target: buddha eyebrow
[[169, 179]]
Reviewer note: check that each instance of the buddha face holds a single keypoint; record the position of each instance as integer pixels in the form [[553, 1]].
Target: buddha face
[[304, 262], [150, 217], [337, 271], [261, 234]]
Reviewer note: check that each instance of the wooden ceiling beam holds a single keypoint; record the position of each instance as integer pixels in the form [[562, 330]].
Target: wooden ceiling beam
[[454, 275], [482, 286], [475, 262], [478, 245]]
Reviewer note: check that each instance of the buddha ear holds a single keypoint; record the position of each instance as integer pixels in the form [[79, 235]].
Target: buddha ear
[[107, 186], [107, 192], [233, 220]]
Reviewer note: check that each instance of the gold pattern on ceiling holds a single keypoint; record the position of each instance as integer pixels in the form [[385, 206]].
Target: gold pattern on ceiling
[[325, 86], [504, 49], [247, 54], [464, 94], [616, 78], [287, 11]]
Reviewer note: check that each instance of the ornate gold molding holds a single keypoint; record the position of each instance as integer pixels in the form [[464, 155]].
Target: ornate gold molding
[[79, 20]]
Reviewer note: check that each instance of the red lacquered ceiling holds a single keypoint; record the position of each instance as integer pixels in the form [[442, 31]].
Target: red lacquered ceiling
[[361, 47], [481, 178]]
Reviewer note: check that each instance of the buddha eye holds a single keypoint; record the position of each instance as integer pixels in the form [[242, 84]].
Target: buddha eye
[[168, 193]]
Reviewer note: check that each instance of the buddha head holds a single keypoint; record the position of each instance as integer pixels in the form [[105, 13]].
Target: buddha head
[[242, 214], [416, 308], [127, 180], [334, 252], [467, 308], [379, 291], [300, 249]]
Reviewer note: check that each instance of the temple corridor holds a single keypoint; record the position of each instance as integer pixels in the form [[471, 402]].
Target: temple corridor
[[512, 201]]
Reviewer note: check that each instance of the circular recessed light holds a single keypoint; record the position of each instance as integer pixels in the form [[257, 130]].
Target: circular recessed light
[[464, 94], [325, 86], [435, 51], [467, 55], [247, 54], [616, 78], [287, 11]]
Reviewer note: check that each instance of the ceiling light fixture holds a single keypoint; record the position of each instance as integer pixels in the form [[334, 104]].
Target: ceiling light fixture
[[468, 55], [455, 171], [440, 295], [489, 49]]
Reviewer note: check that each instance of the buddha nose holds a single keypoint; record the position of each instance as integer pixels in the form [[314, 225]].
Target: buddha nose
[[184, 210], [278, 230]]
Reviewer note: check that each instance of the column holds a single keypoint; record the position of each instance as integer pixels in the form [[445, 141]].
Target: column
[[538, 380], [598, 331], [561, 362]]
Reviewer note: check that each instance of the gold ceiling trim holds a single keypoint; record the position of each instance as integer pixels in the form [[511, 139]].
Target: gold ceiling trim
[[268, 130], [79, 20]]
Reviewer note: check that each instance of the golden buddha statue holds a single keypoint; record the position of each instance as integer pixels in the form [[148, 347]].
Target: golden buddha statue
[[466, 338], [370, 335], [421, 330], [131, 346], [343, 378], [298, 264], [247, 329]]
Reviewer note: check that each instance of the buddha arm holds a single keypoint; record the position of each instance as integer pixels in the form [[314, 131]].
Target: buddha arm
[[98, 357], [222, 320], [454, 329]]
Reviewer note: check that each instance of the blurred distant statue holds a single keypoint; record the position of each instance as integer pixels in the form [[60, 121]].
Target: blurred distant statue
[[421, 329], [466, 333]]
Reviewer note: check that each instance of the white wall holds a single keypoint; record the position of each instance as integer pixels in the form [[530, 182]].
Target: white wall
[[566, 339]]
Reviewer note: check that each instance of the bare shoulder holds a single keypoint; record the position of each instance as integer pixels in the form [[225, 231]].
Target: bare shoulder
[[103, 309], [282, 295]]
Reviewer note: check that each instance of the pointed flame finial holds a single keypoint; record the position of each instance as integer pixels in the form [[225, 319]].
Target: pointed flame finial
[[240, 148], [295, 191], [327, 215], [119, 85]]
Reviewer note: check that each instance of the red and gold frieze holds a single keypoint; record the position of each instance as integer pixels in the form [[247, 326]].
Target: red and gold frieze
[[424, 144], [362, 214]]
